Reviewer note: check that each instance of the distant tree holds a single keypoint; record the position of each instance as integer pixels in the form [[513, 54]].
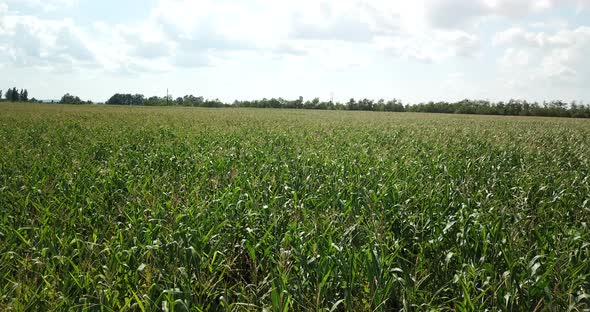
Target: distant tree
[[379, 106], [11, 95], [394, 106], [8, 95], [117, 99], [70, 99], [0, 95], [24, 95], [154, 101], [138, 99], [365, 104], [127, 99], [191, 100], [299, 102], [351, 105]]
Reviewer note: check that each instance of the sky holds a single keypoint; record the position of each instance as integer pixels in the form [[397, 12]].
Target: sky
[[416, 51]]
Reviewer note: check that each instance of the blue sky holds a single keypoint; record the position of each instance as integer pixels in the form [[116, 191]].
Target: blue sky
[[244, 49]]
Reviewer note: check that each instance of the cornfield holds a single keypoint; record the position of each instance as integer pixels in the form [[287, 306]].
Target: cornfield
[[192, 209]]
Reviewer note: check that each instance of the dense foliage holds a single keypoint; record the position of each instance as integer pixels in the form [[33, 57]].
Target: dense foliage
[[128, 208], [512, 107], [14, 95], [139, 99], [71, 99]]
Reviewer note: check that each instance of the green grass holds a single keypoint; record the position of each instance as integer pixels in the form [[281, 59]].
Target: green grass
[[118, 208]]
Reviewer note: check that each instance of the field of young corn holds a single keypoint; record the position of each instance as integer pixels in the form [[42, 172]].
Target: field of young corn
[[176, 209]]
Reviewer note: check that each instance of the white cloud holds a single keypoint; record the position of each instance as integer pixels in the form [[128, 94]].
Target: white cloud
[[554, 58], [467, 13], [219, 25], [460, 43], [345, 28], [569, 63], [514, 57], [522, 37], [62, 45], [44, 5], [30, 41], [433, 46], [335, 55], [192, 33], [336, 34], [518, 35]]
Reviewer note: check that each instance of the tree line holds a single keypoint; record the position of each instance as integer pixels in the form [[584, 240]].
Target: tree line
[[479, 107], [510, 108], [72, 99], [14, 95], [187, 100]]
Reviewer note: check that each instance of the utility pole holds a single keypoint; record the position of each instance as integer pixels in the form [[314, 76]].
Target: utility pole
[[167, 97]]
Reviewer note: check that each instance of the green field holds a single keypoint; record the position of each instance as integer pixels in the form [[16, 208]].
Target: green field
[[120, 208]]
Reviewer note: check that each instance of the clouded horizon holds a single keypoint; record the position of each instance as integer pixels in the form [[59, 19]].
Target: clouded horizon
[[411, 50]]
